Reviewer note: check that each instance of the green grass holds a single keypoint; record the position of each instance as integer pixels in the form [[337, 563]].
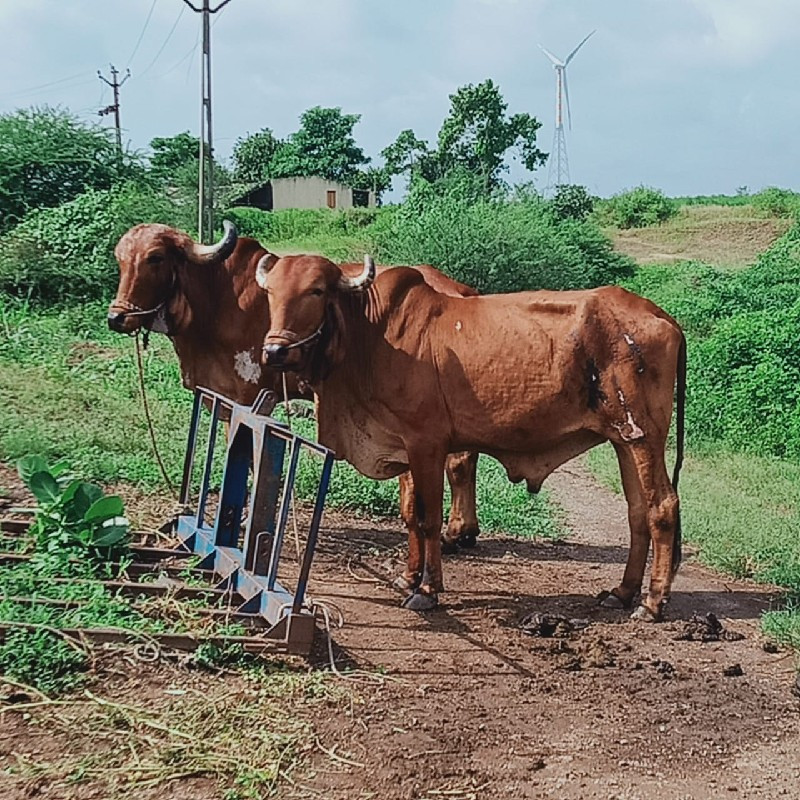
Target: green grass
[[69, 389], [741, 512]]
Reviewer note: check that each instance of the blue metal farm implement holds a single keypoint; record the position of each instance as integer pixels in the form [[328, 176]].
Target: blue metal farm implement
[[236, 572], [250, 570]]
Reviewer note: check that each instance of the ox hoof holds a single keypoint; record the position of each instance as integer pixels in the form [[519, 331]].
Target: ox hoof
[[468, 539], [420, 601], [644, 614], [612, 600], [449, 546], [401, 582]]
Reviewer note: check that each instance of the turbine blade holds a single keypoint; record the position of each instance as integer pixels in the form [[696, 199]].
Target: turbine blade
[[572, 54], [556, 61], [566, 97]]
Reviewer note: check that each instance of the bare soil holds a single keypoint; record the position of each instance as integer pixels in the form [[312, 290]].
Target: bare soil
[[726, 236], [463, 703]]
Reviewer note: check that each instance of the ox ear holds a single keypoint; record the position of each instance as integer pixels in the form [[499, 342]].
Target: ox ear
[[265, 264]]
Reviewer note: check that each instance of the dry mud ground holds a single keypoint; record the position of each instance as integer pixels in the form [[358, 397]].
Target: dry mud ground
[[472, 707]]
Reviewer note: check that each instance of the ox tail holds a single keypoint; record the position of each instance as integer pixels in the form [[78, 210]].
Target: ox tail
[[680, 429]]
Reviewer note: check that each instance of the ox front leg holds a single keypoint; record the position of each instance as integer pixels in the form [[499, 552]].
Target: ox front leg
[[462, 529], [412, 577], [427, 472]]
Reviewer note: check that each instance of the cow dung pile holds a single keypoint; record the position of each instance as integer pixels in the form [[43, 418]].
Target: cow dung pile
[[706, 628]]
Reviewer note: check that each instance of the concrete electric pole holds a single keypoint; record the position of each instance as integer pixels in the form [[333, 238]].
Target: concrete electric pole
[[115, 84], [205, 187]]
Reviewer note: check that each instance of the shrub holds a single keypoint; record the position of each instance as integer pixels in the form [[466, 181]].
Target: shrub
[[638, 207], [696, 294], [745, 383], [297, 223], [572, 202], [777, 202], [67, 253], [496, 244]]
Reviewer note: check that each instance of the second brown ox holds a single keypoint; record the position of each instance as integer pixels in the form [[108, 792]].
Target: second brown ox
[[205, 298], [405, 375]]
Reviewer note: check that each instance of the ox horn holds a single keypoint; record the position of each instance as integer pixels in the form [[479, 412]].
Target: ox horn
[[363, 281], [211, 253], [262, 268]]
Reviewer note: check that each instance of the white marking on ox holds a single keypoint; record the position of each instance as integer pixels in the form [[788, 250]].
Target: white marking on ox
[[633, 432], [628, 338], [247, 368], [458, 325]]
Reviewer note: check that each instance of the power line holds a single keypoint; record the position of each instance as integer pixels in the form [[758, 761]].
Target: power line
[[166, 41], [141, 35], [42, 86]]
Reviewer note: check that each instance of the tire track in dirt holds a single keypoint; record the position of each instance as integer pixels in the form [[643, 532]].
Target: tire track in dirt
[[474, 708]]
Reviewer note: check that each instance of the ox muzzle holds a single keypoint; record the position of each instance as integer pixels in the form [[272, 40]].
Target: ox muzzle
[[290, 352]]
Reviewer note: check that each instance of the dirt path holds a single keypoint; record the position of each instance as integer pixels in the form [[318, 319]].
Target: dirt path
[[475, 708]]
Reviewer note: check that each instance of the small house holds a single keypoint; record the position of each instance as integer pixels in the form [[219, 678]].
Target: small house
[[304, 192]]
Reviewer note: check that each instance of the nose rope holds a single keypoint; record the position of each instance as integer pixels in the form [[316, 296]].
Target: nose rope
[[149, 419], [295, 340], [288, 488]]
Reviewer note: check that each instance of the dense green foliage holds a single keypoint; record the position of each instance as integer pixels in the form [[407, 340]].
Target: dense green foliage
[[496, 244], [637, 208], [571, 201], [47, 157], [778, 202], [67, 253], [743, 329]]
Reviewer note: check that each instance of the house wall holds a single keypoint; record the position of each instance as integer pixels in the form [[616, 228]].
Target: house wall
[[308, 193]]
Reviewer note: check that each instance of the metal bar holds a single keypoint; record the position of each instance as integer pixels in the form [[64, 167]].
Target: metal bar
[[311, 541], [288, 489], [174, 641], [212, 439], [188, 462]]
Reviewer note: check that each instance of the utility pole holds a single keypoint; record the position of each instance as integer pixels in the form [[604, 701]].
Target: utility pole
[[115, 84], [205, 184]]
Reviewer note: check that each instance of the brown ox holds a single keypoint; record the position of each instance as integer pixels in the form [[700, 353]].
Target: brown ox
[[206, 299], [405, 375]]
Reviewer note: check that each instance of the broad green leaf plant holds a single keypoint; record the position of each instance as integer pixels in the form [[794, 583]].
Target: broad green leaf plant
[[72, 516]]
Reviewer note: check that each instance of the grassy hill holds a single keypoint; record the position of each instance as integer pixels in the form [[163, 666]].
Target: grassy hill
[[729, 237]]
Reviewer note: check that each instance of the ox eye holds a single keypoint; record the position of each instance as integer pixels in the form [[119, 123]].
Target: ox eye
[[155, 258], [317, 292]]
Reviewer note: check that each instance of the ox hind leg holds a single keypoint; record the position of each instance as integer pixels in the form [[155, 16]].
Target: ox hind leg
[[462, 528], [659, 502], [623, 595], [424, 520]]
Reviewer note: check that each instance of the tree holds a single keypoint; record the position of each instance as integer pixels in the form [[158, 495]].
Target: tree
[[324, 146], [173, 154], [253, 156], [477, 133], [47, 157], [475, 138], [406, 154]]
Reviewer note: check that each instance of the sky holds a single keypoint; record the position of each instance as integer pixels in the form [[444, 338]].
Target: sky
[[689, 96]]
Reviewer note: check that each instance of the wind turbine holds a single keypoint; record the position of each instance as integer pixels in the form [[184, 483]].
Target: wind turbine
[[559, 165]]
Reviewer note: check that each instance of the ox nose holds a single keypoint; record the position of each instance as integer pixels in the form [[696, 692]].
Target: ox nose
[[116, 320], [275, 355]]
